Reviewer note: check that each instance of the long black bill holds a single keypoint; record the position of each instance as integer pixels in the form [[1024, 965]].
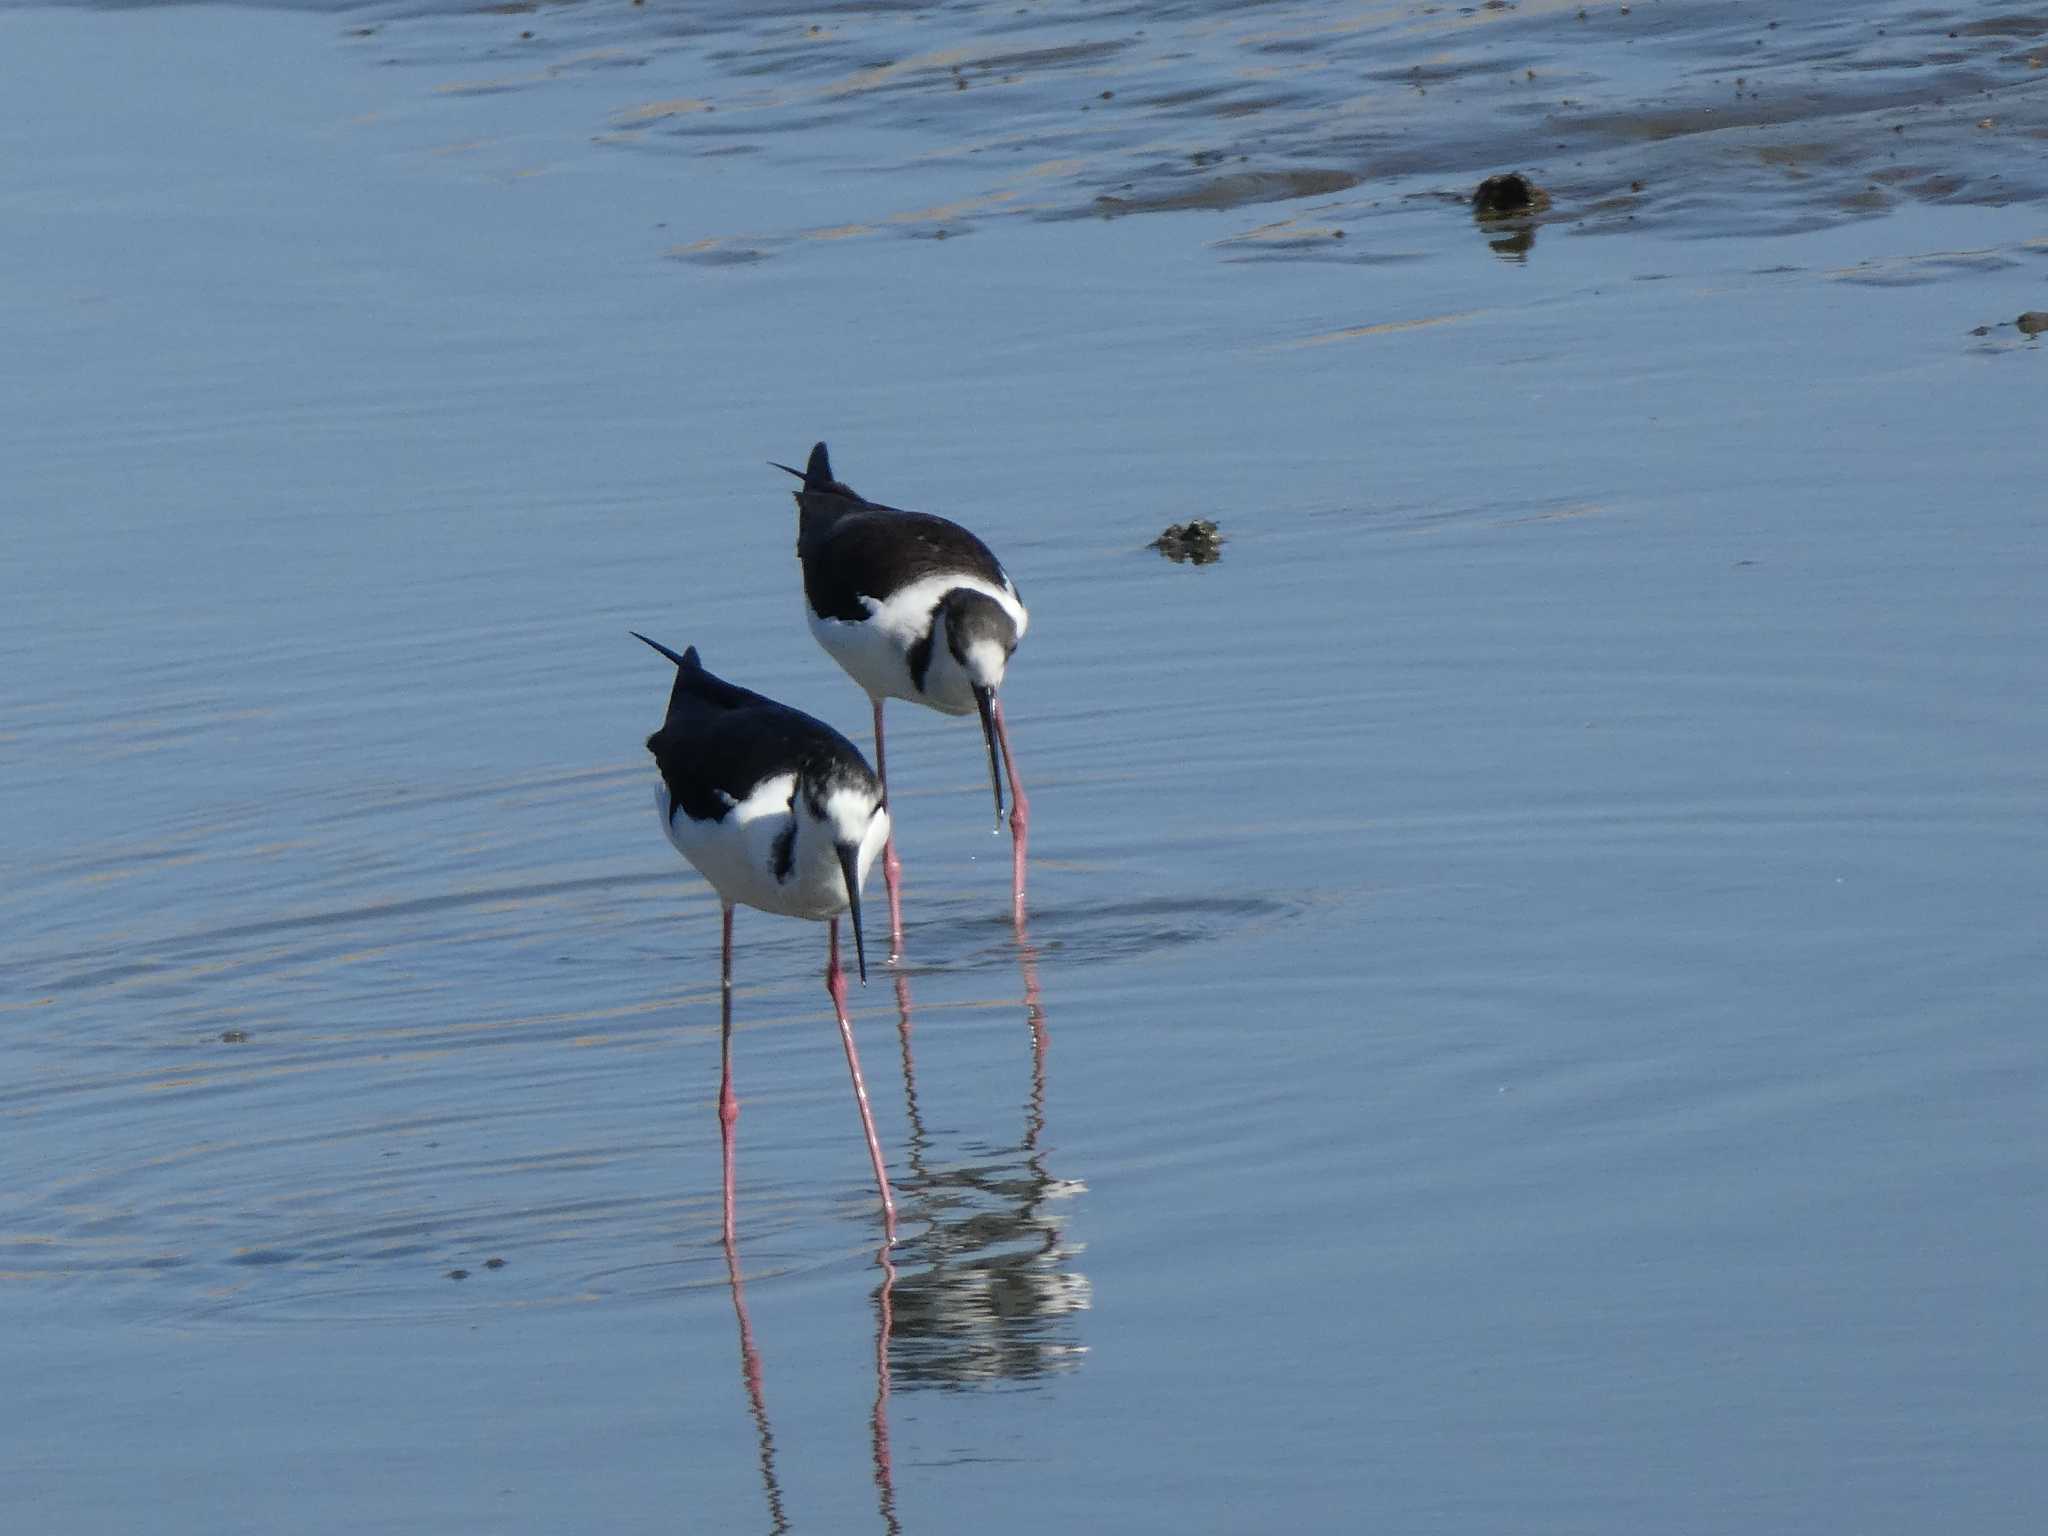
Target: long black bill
[[849, 865], [786, 469], [984, 700]]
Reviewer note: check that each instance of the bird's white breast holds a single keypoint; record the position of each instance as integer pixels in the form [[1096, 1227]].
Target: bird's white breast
[[738, 854], [875, 651]]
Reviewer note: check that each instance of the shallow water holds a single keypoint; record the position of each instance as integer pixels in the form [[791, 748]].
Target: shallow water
[[1528, 1014]]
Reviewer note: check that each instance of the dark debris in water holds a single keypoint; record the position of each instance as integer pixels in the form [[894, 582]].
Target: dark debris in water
[[1507, 196], [2030, 324], [1508, 207], [1195, 542]]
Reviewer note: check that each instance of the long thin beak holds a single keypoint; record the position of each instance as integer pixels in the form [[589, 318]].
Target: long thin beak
[[849, 865], [983, 699], [786, 469]]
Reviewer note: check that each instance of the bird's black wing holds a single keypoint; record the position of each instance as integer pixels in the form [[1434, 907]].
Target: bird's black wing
[[710, 761], [871, 552], [720, 741]]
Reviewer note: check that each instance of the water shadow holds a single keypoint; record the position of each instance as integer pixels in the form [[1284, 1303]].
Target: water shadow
[[757, 1400], [988, 1291], [984, 1295]]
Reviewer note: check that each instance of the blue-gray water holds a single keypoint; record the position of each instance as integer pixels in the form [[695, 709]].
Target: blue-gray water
[[1531, 1012]]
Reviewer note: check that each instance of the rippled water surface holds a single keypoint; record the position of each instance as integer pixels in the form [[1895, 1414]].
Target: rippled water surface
[[1529, 1018]]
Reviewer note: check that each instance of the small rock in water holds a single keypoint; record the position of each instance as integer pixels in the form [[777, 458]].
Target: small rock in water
[[1194, 542], [234, 1036], [1505, 196], [2033, 322], [458, 1274], [494, 1263]]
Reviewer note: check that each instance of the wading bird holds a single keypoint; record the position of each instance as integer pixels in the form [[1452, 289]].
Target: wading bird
[[913, 607], [779, 812]]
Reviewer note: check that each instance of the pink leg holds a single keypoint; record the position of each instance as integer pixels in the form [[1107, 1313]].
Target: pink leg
[[892, 867], [835, 983], [1020, 817], [728, 1105]]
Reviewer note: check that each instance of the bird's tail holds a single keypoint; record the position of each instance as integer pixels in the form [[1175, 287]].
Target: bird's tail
[[687, 661], [691, 678], [816, 473]]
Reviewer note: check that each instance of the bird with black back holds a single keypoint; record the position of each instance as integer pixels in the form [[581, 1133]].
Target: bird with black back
[[779, 812], [914, 607]]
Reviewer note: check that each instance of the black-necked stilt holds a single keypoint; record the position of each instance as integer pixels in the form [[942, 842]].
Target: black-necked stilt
[[778, 811], [913, 607]]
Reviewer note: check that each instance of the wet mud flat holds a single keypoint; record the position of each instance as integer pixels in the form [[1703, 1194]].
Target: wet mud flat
[[1695, 120]]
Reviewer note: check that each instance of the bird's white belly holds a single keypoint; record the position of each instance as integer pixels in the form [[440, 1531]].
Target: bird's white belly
[[875, 651], [867, 655], [737, 854]]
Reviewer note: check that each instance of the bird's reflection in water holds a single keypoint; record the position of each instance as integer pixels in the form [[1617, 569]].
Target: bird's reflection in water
[[987, 1293], [885, 1477], [757, 1398], [757, 1402]]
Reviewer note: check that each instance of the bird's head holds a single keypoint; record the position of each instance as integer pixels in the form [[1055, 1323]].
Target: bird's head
[[981, 636], [847, 810]]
